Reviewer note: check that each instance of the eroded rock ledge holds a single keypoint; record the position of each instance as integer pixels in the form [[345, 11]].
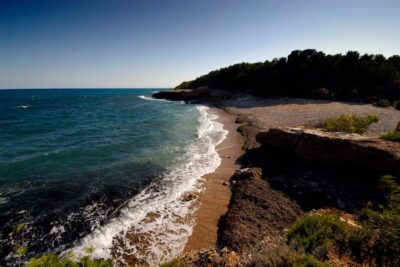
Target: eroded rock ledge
[[256, 211], [298, 170], [335, 149]]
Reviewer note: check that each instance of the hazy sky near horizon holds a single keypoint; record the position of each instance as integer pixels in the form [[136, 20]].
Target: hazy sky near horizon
[[149, 43]]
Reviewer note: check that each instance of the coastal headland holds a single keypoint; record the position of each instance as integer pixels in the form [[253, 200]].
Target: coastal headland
[[278, 167]]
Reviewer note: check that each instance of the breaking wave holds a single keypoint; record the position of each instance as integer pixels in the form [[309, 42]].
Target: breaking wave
[[155, 224]]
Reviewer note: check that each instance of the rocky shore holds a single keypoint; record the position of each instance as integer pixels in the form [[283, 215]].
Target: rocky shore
[[187, 95], [290, 169]]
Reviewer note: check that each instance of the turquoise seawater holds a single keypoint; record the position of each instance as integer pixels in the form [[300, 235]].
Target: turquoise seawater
[[72, 160]]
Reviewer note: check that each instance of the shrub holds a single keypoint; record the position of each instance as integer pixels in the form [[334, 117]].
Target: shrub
[[88, 249], [177, 262], [379, 240], [396, 105], [392, 136], [383, 103], [19, 229], [376, 242], [283, 256], [318, 232], [21, 251], [305, 260], [391, 191], [52, 260], [349, 123], [272, 256]]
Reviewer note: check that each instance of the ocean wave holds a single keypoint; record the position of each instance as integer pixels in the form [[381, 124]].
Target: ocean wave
[[24, 106], [151, 98], [158, 217], [156, 99]]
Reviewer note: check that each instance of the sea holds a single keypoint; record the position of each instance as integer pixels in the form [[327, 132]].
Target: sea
[[104, 173]]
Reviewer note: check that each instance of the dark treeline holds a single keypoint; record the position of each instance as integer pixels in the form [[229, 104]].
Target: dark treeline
[[311, 74]]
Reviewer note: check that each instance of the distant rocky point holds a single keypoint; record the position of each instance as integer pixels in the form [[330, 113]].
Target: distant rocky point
[[188, 95]]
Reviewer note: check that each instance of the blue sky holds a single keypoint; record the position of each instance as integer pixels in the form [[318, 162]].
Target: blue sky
[[149, 43]]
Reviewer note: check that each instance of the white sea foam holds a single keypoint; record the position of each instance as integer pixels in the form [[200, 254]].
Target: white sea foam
[[161, 100], [150, 98], [4, 200], [158, 214], [25, 106]]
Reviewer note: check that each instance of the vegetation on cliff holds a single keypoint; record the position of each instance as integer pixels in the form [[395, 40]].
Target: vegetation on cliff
[[374, 242], [311, 74], [317, 232]]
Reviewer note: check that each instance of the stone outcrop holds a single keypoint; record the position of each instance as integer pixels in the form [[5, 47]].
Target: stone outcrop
[[183, 95], [335, 149], [256, 211]]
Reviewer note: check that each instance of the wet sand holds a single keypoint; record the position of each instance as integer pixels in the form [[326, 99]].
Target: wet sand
[[214, 200]]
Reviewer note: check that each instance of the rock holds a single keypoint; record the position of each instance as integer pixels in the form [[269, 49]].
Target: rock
[[200, 94], [241, 119], [232, 260], [224, 250], [225, 183], [334, 149], [246, 173], [212, 258], [255, 211], [189, 197], [183, 95], [398, 127], [249, 132]]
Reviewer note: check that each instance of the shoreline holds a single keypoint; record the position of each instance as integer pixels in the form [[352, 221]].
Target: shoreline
[[247, 221], [257, 115], [214, 200]]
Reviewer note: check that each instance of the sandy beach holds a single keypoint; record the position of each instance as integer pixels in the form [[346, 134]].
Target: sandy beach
[[214, 200]]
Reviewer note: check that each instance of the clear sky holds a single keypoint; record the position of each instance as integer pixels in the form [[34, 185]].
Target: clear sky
[[149, 43]]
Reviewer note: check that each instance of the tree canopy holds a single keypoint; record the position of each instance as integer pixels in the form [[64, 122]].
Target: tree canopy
[[311, 74]]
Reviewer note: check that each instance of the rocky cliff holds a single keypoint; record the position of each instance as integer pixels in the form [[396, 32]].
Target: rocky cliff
[[335, 149]]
